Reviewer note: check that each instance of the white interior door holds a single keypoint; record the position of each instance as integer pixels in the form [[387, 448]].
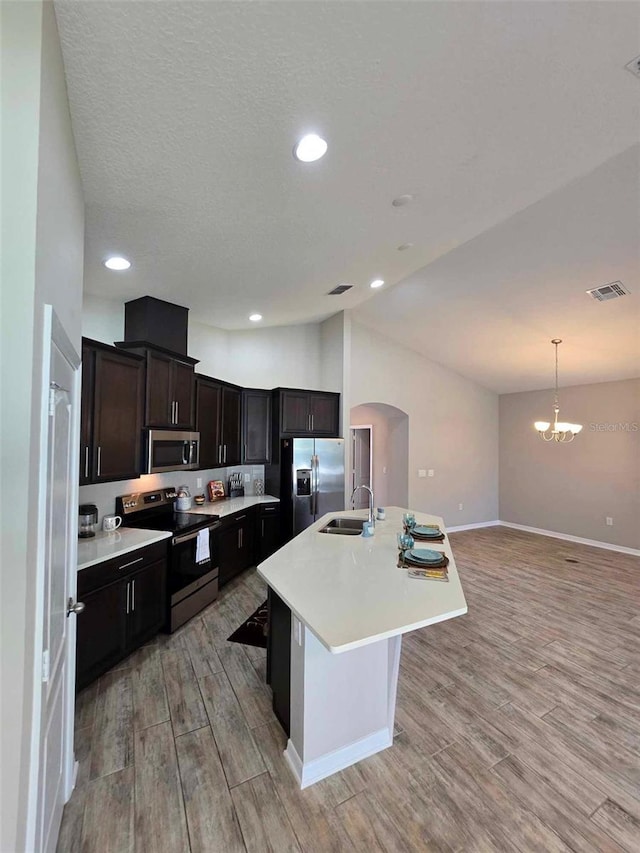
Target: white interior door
[[362, 463], [57, 589]]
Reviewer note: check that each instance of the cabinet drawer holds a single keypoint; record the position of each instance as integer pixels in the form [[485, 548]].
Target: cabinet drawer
[[94, 577]]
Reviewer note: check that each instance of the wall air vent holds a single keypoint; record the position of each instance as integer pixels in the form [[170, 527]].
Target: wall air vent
[[608, 291], [340, 289]]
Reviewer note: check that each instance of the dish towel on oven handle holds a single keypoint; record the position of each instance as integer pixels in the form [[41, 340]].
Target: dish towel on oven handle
[[202, 547]]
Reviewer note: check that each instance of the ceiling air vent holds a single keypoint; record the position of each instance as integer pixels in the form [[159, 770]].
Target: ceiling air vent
[[608, 291], [340, 289]]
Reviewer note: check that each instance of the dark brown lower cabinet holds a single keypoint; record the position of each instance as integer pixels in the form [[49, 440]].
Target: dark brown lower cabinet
[[279, 658], [125, 605], [268, 531], [236, 545]]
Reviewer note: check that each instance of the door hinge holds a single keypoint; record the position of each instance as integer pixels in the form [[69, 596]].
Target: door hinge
[[45, 666]]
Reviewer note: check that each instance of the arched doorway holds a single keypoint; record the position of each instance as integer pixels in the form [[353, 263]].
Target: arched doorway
[[385, 430]]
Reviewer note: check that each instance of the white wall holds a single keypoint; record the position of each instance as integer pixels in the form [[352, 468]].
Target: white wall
[[287, 356], [453, 426], [43, 238]]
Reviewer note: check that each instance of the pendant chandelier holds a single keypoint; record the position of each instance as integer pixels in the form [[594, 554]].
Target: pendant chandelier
[[558, 430]]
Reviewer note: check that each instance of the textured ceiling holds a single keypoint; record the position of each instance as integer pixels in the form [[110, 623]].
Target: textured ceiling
[[490, 308], [185, 115]]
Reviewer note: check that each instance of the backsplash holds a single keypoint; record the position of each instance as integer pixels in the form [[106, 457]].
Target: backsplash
[[104, 495]]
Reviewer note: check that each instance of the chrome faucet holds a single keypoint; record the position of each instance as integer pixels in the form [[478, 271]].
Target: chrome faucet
[[372, 515]]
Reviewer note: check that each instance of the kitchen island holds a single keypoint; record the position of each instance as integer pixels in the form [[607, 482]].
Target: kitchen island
[[350, 605]]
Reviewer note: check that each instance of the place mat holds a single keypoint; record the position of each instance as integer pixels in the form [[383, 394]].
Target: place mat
[[415, 564]]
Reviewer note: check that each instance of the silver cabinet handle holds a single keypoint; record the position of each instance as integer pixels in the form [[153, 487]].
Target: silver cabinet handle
[[312, 423], [245, 452], [171, 415], [269, 509], [225, 453], [219, 454], [132, 563], [239, 533], [133, 595], [128, 596], [86, 462], [177, 412], [241, 537], [99, 459], [74, 607], [263, 528]]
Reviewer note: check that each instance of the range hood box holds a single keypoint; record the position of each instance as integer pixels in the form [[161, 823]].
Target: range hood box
[[156, 322]]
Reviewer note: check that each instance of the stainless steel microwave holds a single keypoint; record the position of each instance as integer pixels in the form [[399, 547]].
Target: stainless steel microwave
[[172, 450]]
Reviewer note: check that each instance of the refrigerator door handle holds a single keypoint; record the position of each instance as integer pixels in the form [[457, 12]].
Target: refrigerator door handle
[[316, 485]]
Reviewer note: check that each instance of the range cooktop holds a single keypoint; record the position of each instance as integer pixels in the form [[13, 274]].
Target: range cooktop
[[155, 511]]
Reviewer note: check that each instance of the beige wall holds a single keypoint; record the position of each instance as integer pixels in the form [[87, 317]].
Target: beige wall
[[390, 434], [572, 488], [453, 426], [287, 356], [43, 238]]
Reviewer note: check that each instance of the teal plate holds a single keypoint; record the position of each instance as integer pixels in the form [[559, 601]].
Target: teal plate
[[425, 555], [427, 531]]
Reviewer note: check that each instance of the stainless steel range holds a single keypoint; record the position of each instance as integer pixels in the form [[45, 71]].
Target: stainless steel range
[[193, 556]]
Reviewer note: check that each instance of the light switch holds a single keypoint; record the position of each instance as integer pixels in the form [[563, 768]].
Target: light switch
[[609, 521], [430, 472], [247, 478], [384, 469], [199, 483], [422, 472]]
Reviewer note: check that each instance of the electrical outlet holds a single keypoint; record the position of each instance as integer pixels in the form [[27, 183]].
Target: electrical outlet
[[609, 521], [384, 470], [460, 506], [430, 472], [198, 482], [422, 472], [247, 478]]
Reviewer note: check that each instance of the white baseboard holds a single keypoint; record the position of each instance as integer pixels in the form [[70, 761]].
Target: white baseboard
[[475, 526], [318, 769], [593, 543]]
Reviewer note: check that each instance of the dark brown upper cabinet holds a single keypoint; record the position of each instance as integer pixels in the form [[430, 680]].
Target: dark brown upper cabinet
[[307, 413], [111, 414], [219, 422], [169, 397], [256, 426]]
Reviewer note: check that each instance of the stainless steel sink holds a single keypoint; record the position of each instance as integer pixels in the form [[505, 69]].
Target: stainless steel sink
[[344, 526]]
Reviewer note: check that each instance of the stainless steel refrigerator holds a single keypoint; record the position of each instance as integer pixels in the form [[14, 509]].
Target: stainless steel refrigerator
[[311, 480]]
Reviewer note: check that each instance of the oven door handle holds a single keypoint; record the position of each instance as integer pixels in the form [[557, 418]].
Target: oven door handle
[[178, 540]]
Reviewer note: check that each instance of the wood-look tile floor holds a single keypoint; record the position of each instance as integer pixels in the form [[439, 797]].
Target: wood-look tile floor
[[519, 726]]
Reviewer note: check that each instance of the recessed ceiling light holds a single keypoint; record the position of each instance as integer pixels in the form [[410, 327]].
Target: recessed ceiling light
[[402, 200], [117, 263], [377, 282], [404, 246], [255, 318], [311, 147]]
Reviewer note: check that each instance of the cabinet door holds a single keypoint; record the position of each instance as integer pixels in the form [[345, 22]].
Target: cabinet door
[[229, 552], [324, 411], [208, 405], [294, 413], [117, 416], [246, 541], [159, 410], [87, 459], [268, 532], [183, 394], [101, 632], [147, 603], [256, 427], [231, 425]]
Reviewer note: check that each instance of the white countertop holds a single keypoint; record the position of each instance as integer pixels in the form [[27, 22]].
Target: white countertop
[[104, 546], [348, 589], [230, 505]]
